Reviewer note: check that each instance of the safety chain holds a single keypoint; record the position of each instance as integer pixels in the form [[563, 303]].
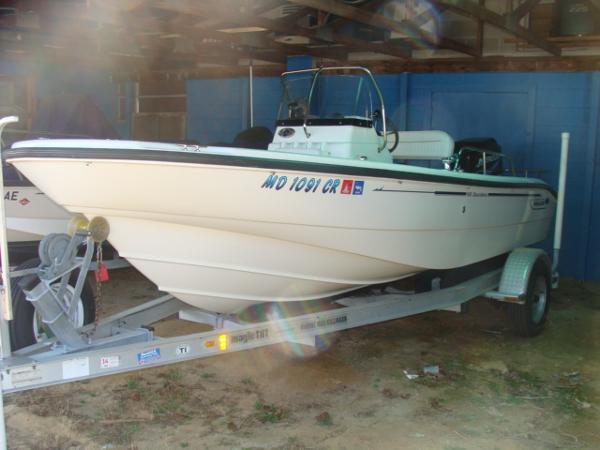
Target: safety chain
[[98, 298]]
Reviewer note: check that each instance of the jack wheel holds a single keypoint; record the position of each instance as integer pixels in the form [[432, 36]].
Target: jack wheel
[[26, 328], [529, 318]]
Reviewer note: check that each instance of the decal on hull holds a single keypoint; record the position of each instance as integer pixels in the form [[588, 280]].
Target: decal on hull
[[314, 185]]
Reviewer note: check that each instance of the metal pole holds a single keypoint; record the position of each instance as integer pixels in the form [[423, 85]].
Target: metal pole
[[6, 309], [251, 80], [560, 205], [484, 163]]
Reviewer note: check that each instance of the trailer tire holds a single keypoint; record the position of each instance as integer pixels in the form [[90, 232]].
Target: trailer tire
[[528, 319], [22, 332]]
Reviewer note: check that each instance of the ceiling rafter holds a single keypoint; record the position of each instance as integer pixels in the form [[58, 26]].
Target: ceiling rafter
[[425, 16], [148, 27], [480, 31], [380, 21], [506, 23], [241, 17], [294, 17], [229, 42], [271, 70], [255, 40], [488, 64], [214, 23], [373, 5], [275, 51], [182, 36], [523, 9], [230, 55]]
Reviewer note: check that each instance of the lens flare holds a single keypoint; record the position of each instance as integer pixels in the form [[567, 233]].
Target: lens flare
[[295, 345]]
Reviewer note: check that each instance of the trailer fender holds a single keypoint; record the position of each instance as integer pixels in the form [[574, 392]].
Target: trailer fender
[[517, 271]]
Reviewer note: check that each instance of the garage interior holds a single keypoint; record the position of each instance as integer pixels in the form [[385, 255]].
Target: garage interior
[[200, 73]]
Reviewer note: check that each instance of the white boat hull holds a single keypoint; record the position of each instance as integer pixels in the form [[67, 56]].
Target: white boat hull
[[30, 214], [223, 237]]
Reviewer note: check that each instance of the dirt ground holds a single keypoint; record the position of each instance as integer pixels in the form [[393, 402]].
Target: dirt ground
[[493, 390]]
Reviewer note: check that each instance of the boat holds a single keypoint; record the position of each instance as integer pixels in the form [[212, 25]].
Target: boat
[[336, 202], [30, 215]]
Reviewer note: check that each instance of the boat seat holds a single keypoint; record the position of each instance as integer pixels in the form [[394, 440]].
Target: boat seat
[[254, 138], [423, 145]]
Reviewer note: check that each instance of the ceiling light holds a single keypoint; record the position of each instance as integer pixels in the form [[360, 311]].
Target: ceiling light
[[293, 40], [242, 30]]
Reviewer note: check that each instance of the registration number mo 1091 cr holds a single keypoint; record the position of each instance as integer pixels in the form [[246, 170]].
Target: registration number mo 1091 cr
[[314, 185]]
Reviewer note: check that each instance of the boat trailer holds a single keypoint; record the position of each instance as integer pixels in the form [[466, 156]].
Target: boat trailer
[[125, 341]]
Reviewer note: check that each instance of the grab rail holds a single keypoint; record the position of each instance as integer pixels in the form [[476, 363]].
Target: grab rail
[[456, 158], [317, 72]]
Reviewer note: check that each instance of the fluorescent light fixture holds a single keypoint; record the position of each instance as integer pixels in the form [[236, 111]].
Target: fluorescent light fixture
[[242, 30], [293, 39]]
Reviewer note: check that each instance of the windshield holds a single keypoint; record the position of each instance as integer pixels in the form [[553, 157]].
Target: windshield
[[334, 96]]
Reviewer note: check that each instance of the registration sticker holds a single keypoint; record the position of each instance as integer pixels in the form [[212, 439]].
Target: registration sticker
[[148, 356], [359, 187], [182, 350], [347, 186], [25, 376], [109, 362]]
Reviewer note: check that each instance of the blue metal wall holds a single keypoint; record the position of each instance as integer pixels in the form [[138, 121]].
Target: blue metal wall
[[525, 112], [218, 109]]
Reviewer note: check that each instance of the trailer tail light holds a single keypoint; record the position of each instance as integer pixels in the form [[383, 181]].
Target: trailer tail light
[[223, 342]]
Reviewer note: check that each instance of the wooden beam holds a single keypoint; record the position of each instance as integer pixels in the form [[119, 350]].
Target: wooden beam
[[362, 15], [36, 45], [480, 30], [107, 40], [214, 23], [271, 70], [236, 53], [230, 55], [522, 9], [236, 16], [488, 64], [506, 23], [367, 17], [36, 42], [353, 43], [294, 17], [186, 25], [436, 65], [98, 23], [425, 16], [255, 42], [51, 55], [266, 6], [373, 5]]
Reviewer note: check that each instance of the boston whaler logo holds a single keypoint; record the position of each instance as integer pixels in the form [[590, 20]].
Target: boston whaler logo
[[286, 132], [314, 185]]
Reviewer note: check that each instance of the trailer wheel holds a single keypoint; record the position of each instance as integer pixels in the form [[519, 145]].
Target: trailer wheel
[[26, 328], [529, 318]]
